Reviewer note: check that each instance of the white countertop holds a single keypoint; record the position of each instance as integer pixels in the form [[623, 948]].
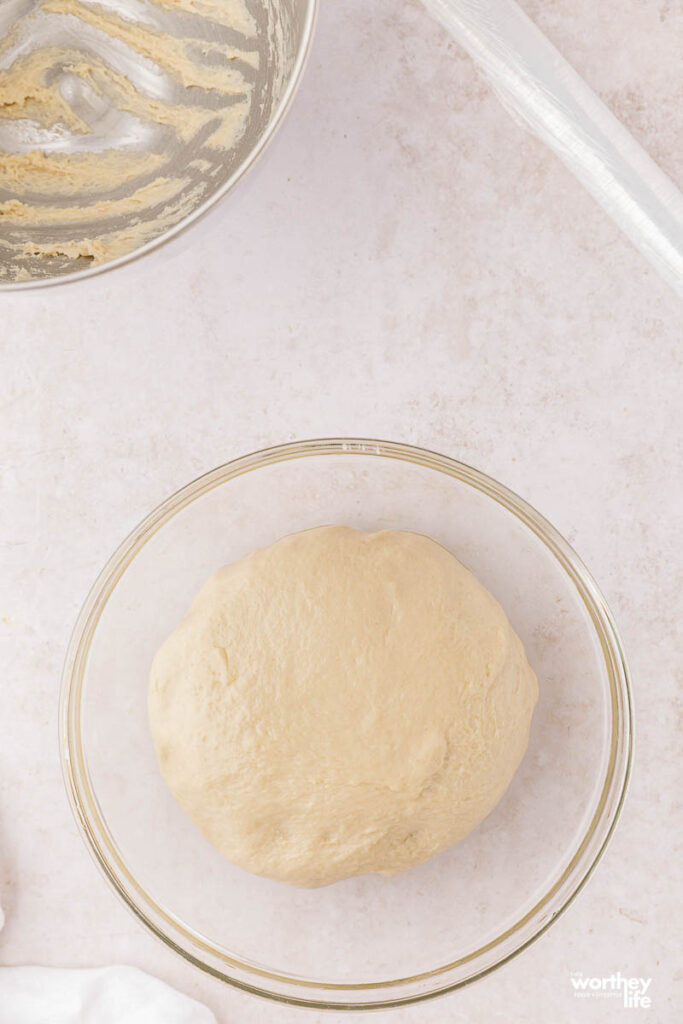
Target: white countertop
[[405, 263]]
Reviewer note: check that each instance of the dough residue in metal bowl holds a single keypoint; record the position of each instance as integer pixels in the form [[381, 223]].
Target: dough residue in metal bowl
[[117, 119]]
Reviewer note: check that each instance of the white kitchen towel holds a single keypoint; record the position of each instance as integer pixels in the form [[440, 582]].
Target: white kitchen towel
[[101, 995]]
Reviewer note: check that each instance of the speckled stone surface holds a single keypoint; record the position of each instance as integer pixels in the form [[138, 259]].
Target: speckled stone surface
[[404, 263]]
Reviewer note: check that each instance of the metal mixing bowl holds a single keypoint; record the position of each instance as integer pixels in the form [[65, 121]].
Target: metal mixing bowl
[[106, 86]]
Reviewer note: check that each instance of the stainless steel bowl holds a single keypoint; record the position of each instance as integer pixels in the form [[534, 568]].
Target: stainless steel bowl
[[123, 121]]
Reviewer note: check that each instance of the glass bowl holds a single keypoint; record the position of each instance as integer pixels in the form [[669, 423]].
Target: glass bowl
[[371, 941], [177, 99]]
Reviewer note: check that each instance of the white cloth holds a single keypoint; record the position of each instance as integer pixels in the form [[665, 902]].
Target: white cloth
[[102, 995]]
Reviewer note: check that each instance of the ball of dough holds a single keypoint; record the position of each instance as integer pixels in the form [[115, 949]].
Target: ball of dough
[[340, 703]]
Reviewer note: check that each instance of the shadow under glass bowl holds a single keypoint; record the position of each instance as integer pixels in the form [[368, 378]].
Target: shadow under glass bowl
[[155, 108], [366, 942]]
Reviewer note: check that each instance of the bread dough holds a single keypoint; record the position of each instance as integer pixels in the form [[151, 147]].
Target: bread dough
[[117, 121], [340, 703]]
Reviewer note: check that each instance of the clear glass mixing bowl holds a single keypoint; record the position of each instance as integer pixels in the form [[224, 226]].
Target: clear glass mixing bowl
[[371, 941]]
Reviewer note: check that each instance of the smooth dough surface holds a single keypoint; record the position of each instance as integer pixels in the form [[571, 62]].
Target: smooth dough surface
[[340, 703]]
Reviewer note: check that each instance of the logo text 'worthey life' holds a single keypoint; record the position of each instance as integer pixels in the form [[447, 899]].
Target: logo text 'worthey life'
[[632, 991]]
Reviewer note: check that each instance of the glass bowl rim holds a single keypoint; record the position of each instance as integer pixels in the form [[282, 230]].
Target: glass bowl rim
[[293, 989], [264, 140]]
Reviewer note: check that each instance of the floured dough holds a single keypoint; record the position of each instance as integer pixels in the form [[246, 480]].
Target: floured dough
[[340, 703]]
